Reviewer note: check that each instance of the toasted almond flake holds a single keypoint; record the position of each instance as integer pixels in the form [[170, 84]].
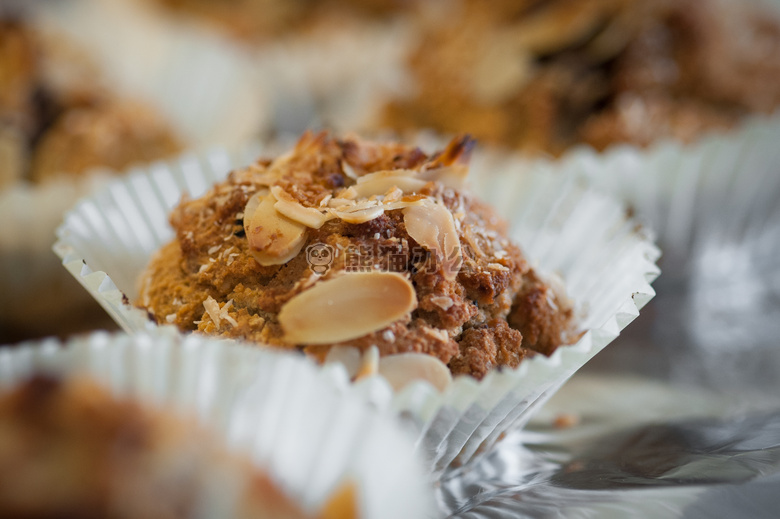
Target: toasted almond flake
[[371, 177], [451, 176], [204, 268], [348, 356], [431, 225], [214, 249], [273, 238], [348, 193], [498, 266], [212, 308], [325, 200], [405, 368], [393, 195], [170, 318], [308, 216], [347, 307], [443, 302], [403, 203], [363, 204], [348, 171], [380, 183], [369, 364], [335, 203], [360, 215]]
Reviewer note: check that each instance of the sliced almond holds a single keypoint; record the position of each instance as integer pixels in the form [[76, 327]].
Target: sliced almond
[[359, 215], [273, 238], [432, 226], [405, 368], [348, 170], [380, 185], [347, 307], [340, 202], [369, 364], [348, 193], [451, 176], [308, 216], [294, 210]]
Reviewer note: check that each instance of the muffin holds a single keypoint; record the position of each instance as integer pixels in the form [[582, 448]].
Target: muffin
[[344, 242], [545, 76], [56, 118], [70, 448], [58, 123], [570, 233], [216, 429]]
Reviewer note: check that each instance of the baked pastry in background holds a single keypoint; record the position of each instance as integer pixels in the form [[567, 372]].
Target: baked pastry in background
[[57, 118], [58, 121], [542, 76], [347, 243], [68, 448]]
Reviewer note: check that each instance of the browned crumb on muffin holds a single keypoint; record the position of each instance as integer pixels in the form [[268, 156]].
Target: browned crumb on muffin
[[68, 448], [542, 76], [55, 118], [344, 242]]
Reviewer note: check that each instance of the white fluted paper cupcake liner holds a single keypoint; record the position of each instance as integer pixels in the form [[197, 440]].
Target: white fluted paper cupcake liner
[[719, 192], [301, 424], [714, 205], [604, 259]]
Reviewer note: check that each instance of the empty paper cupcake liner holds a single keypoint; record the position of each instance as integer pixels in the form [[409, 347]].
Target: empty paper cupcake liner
[[605, 259], [299, 423]]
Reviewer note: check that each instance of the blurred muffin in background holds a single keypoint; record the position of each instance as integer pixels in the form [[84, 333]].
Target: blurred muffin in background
[[68, 448], [542, 76], [57, 122], [56, 118]]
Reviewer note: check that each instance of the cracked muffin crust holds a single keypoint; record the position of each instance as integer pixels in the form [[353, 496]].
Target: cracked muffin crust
[[343, 243], [544, 75], [68, 448]]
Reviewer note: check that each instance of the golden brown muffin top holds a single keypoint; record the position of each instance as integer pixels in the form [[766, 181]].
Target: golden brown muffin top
[[349, 243]]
